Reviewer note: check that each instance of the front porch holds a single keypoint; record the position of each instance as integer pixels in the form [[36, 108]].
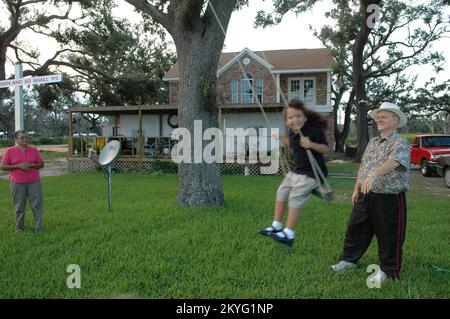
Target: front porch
[[147, 148]]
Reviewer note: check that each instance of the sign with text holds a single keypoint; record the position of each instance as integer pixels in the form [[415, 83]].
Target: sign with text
[[45, 79]]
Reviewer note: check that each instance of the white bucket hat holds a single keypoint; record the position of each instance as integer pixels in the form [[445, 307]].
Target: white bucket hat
[[391, 107]]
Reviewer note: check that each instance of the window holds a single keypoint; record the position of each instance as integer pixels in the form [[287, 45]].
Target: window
[[303, 89], [259, 90], [234, 92], [294, 91], [436, 141], [246, 89], [308, 92]]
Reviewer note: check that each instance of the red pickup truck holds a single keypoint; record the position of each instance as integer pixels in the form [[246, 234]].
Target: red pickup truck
[[426, 149]]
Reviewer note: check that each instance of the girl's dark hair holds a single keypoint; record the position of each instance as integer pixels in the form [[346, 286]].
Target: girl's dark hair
[[314, 118]]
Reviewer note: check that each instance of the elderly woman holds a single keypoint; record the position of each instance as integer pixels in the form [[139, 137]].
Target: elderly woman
[[23, 163]]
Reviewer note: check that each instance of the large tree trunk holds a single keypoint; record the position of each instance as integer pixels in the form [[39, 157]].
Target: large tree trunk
[[198, 52], [359, 77], [4, 119], [2, 70], [199, 183], [341, 136]]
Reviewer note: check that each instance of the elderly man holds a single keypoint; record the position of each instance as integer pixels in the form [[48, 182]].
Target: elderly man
[[379, 197], [23, 163]]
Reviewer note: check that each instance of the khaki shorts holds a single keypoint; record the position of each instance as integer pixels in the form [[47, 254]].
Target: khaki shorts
[[296, 189]]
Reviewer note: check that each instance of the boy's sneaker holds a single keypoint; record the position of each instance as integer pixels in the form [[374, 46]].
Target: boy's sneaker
[[269, 231], [343, 265], [283, 239]]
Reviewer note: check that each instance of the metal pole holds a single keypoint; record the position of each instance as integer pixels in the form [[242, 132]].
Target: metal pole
[[110, 187], [18, 92]]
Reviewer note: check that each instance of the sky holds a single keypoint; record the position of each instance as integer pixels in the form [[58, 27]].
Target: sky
[[292, 33]]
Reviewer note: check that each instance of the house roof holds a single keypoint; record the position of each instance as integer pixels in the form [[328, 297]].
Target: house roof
[[278, 61]]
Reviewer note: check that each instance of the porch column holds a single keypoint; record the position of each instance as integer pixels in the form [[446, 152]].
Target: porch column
[[116, 125], [160, 124], [140, 139], [278, 87], [69, 138], [328, 88]]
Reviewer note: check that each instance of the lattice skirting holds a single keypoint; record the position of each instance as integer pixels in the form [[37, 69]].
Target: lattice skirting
[[86, 165]]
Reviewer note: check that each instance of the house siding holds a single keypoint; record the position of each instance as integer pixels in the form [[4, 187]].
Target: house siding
[[173, 92], [257, 71]]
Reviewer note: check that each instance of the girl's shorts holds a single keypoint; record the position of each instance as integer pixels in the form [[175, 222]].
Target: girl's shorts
[[296, 189]]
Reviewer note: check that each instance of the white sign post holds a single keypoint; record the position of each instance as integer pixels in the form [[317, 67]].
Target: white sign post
[[18, 96], [18, 84]]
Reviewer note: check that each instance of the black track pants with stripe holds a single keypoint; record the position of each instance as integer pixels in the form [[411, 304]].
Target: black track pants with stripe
[[382, 215]]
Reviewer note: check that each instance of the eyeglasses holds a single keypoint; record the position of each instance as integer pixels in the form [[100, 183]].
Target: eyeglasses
[[23, 137]]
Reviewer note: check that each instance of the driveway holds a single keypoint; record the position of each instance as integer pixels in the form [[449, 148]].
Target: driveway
[[434, 184]]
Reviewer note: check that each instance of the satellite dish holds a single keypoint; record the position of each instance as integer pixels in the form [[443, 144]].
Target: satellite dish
[[106, 160], [109, 153]]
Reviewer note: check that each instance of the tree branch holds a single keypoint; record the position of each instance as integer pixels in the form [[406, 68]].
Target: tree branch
[[151, 10]]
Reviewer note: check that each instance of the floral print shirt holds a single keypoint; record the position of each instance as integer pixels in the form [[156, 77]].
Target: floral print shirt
[[377, 152]]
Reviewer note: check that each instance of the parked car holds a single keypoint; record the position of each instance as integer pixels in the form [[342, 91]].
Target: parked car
[[426, 149], [443, 168]]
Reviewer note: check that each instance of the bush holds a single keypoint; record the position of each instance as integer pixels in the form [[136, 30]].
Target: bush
[[167, 167], [6, 143], [48, 140]]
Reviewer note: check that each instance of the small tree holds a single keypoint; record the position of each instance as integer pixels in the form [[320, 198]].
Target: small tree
[[432, 104], [37, 16]]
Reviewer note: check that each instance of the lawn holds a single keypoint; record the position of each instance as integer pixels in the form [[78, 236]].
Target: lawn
[[49, 155], [151, 248]]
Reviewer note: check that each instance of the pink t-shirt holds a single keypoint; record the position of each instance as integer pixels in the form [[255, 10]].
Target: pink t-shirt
[[14, 155]]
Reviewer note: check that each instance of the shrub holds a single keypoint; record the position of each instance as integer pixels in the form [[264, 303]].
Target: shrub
[[167, 167], [48, 140]]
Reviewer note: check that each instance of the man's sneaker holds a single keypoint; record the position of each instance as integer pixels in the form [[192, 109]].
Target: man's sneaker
[[343, 265], [283, 239], [378, 278], [269, 231]]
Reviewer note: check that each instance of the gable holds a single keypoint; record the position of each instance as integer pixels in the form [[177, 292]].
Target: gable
[[277, 61]]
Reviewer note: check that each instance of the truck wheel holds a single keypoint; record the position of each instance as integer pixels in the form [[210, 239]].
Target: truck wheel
[[424, 168], [447, 177]]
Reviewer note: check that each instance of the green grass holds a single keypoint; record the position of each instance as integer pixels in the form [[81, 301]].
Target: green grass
[[151, 248], [49, 155]]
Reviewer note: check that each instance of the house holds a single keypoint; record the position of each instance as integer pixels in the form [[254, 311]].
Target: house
[[270, 77], [243, 79]]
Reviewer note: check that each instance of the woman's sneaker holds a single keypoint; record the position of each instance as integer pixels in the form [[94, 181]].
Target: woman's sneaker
[[343, 265], [269, 231]]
